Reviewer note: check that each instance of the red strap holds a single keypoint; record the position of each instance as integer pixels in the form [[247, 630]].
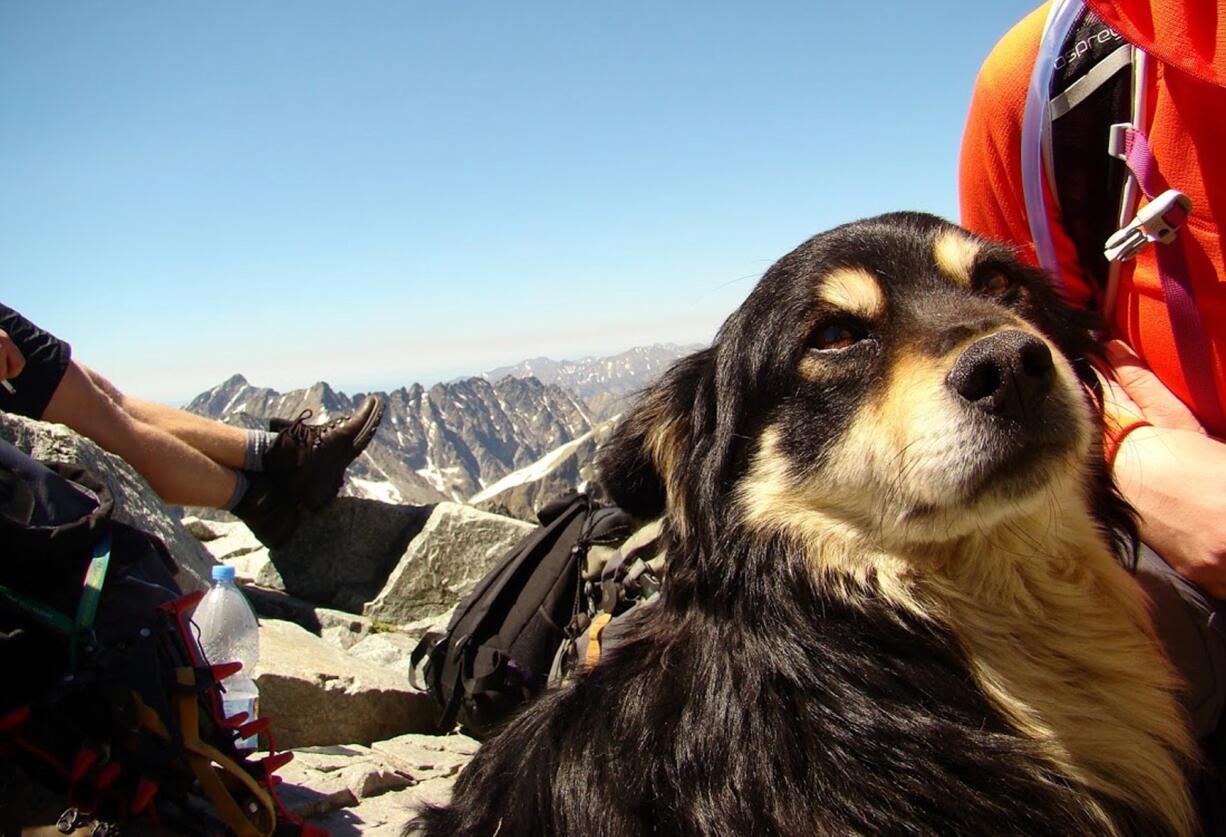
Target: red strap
[[1190, 342]]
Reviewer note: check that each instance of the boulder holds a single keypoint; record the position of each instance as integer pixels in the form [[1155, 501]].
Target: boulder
[[135, 502], [341, 555], [339, 627], [223, 540], [389, 649], [317, 694], [201, 529], [342, 630], [232, 543], [455, 549], [435, 623]]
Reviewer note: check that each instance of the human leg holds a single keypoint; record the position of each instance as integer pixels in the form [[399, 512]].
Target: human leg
[[178, 472], [222, 443]]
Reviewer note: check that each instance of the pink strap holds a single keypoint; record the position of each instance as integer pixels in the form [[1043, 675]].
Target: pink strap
[[1190, 342]]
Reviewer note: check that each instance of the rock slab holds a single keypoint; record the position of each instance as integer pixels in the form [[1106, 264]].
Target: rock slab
[[375, 803], [341, 555], [317, 695], [455, 549]]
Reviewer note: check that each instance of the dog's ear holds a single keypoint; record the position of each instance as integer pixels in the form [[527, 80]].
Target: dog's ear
[[642, 466]]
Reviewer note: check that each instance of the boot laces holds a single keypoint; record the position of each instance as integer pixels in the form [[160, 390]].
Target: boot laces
[[312, 435]]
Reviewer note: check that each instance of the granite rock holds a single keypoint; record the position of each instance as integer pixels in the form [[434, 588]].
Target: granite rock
[[455, 549], [317, 694]]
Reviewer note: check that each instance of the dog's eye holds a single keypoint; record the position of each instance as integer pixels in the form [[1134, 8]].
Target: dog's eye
[[840, 334], [993, 281]]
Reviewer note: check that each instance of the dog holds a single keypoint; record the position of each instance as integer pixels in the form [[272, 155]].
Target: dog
[[896, 599]]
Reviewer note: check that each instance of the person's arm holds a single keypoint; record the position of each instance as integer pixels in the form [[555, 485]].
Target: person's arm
[[12, 361]]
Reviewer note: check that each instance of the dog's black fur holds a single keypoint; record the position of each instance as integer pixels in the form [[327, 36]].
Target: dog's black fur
[[753, 701]]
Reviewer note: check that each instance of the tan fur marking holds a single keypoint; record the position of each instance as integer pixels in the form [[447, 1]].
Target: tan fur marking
[[1091, 687], [855, 291], [1056, 633], [664, 449], [955, 254], [772, 500]]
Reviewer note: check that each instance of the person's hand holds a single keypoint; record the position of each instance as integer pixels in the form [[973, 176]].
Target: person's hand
[[1176, 479], [12, 361], [1144, 392], [1173, 473]]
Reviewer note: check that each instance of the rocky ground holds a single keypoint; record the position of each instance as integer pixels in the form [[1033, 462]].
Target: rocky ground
[[375, 789], [341, 607], [335, 681]]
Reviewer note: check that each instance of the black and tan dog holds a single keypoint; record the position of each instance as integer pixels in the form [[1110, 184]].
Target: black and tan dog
[[893, 603]]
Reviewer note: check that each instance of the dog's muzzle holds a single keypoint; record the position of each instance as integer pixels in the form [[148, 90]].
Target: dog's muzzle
[[1005, 375]]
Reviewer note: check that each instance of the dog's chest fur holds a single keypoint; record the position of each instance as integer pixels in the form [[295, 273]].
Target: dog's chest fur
[[1057, 638]]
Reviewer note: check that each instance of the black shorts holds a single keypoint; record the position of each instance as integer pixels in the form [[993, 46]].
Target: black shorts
[[47, 358]]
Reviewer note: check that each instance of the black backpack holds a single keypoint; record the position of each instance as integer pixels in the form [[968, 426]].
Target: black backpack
[[1091, 90], [501, 642], [106, 703]]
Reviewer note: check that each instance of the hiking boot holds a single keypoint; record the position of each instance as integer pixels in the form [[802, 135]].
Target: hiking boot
[[309, 460], [269, 512]]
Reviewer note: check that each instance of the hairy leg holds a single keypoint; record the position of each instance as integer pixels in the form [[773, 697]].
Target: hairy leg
[[178, 472], [221, 443]]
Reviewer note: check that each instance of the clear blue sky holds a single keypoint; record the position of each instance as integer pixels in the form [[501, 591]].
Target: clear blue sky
[[376, 193]]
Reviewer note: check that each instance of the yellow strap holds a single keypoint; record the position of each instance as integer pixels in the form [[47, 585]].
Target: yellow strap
[[202, 758], [149, 719], [593, 638]]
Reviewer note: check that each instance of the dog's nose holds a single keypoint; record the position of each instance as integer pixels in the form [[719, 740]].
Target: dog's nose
[[1004, 374]]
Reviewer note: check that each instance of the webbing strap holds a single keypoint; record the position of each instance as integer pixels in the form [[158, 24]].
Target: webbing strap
[[1036, 126], [87, 605], [91, 587], [215, 770], [1190, 342], [49, 616]]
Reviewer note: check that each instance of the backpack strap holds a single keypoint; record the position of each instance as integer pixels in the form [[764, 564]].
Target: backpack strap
[[1084, 79], [1036, 126], [1076, 106], [1159, 222]]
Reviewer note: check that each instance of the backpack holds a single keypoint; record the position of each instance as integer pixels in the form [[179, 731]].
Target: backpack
[[106, 700], [617, 590], [500, 644], [1083, 141]]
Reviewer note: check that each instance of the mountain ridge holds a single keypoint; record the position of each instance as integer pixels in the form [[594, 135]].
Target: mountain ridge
[[456, 440]]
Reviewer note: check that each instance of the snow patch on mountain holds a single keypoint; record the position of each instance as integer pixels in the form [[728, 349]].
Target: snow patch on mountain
[[537, 470]]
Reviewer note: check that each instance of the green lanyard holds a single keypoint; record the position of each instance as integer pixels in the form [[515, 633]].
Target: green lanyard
[[87, 606]]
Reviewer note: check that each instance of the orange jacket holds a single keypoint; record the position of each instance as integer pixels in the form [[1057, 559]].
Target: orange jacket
[[1187, 132]]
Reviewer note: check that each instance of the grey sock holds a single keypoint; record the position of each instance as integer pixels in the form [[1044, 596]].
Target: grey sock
[[259, 442], [240, 488]]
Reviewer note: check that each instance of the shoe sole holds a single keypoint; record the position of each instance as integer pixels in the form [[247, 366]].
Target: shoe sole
[[321, 496]]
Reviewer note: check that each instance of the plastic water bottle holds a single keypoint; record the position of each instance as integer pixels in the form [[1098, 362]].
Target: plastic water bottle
[[228, 633]]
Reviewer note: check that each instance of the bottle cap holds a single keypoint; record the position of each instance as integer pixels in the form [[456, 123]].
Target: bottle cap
[[223, 572]]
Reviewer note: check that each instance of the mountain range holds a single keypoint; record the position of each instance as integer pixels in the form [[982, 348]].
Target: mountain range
[[604, 383], [506, 441]]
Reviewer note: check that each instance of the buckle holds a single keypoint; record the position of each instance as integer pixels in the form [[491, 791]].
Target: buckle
[[1157, 221]]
